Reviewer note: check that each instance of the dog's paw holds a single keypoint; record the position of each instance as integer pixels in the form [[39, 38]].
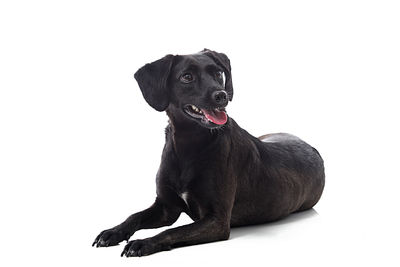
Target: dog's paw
[[142, 247], [110, 237]]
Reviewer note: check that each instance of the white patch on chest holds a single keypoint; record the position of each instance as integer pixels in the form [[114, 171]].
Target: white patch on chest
[[185, 196]]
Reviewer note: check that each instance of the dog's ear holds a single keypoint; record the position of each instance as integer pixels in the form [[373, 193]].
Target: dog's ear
[[223, 61], [153, 82]]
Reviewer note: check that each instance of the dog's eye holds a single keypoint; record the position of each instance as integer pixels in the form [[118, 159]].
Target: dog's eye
[[187, 78], [220, 76]]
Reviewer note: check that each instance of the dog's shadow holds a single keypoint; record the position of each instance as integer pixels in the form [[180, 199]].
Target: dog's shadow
[[271, 227]]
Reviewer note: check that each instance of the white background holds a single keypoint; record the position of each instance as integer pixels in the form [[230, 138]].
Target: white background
[[79, 147]]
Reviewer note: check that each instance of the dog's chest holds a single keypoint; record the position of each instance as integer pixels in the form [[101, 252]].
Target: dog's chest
[[184, 197], [194, 209]]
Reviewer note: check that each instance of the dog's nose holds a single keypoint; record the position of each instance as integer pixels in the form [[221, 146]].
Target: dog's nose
[[220, 97]]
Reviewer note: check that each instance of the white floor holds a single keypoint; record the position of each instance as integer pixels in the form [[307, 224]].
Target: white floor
[[308, 238]]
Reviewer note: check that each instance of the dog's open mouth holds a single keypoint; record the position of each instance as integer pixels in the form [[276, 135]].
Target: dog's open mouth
[[216, 115]]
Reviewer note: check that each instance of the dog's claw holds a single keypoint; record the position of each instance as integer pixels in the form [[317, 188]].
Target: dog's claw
[[97, 239], [141, 247], [134, 248], [110, 237], [124, 251]]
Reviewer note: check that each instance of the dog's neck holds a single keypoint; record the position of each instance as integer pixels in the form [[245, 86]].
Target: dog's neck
[[189, 137]]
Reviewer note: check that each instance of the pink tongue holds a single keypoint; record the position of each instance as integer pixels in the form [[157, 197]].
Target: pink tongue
[[216, 116]]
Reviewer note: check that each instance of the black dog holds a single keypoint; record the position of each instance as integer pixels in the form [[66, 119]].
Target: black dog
[[212, 169]]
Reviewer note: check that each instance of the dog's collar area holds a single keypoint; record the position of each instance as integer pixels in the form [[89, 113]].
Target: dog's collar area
[[214, 115]]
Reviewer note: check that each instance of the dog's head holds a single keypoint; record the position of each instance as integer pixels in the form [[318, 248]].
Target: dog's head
[[197, 86]]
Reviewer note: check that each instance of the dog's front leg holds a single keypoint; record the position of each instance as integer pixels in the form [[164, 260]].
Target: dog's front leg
[[158, 215], [208, 229]]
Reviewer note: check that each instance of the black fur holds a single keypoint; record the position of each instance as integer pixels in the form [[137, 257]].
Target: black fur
[[220, 175]]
